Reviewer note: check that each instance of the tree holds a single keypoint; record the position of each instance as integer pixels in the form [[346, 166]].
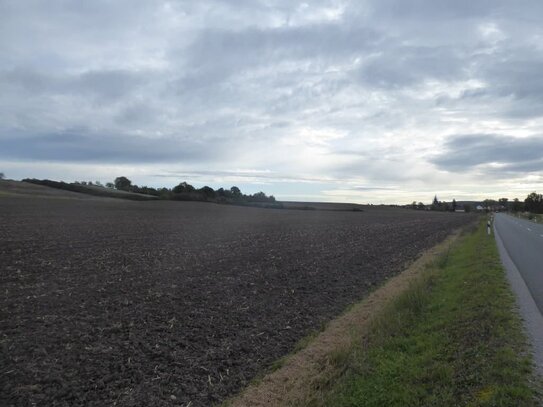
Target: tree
[[454, 205], [2, 176], [236, 192], [516, 206], [207, 192], [435, 204], [122, 183], [224, 193], [110, 185], [534, 203], [183, 188]]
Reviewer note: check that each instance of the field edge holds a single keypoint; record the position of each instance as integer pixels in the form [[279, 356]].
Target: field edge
[[454, 338], [320, 359]]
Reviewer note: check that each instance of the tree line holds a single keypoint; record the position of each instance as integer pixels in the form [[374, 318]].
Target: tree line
[[532, 203], [181, 192], [441, 206], [186, 192]]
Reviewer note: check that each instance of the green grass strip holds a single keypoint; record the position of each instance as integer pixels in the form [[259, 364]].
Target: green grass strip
[[452, 339]]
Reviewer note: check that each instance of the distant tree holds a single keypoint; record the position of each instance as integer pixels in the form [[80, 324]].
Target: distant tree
[[207, 192], [435, 204], [110, 185], [454, 205], [98, 183], [183, 188], [122, 183], [225, 194], [504, 202], [489, 203], [259, 197], [534, 203], [421, 206], [414, 205], [236, 192], [516, 205], [2, 176]]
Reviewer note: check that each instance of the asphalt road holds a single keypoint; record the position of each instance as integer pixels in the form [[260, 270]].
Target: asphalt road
[[523, 241], [520, 244]]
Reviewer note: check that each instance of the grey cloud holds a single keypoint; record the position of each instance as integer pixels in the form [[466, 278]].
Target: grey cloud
[[104, 84], [398, 67], [268, 176], [218, 54], [436, 9], [364, 188], [79, 79], [513, 154], [82, 146]]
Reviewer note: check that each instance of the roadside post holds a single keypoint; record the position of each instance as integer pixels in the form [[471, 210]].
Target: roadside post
[[488, 227]]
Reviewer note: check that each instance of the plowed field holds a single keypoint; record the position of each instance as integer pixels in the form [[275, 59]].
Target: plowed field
[[166, 303]]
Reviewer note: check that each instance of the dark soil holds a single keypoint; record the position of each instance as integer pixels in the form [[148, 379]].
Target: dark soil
[[166, 303]]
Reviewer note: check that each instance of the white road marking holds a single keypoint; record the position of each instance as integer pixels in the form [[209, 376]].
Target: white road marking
[[529, 229]]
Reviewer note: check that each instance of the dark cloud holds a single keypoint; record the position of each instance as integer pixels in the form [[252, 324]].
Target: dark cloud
[[82, 146], [108, 85], [509, 154]]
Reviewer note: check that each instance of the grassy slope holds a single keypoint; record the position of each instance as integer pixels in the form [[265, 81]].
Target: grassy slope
[[452, 339]]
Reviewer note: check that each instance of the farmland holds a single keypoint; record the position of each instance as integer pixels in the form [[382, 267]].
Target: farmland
[[166, 303]]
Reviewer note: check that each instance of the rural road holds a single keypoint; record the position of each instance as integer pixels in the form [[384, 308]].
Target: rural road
[[520, 243]]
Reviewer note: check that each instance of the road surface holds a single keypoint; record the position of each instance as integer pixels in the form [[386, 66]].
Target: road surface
[[520, 243]]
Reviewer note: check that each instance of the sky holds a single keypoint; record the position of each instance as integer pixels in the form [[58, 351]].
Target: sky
[[360, 101]]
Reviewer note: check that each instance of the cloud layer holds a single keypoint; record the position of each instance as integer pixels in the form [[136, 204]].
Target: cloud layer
[[371, 101]]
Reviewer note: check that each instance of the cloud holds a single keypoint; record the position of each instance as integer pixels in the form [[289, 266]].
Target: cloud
[[500, 153], [106, 85], [81, 146], [359, 92]]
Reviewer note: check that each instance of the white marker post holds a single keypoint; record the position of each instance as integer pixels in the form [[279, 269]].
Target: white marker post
[[488, 227]]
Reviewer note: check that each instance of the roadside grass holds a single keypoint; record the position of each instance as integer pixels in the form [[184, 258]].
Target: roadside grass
[[534, 217], [453, 338]]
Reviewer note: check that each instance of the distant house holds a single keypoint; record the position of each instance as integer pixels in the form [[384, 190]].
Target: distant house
[[480, 208]]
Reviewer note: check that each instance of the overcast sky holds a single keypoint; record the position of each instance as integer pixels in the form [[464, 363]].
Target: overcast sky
[[361, 101]]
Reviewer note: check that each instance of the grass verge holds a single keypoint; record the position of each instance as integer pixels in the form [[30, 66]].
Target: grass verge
[[451, 339], [534, 217]]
